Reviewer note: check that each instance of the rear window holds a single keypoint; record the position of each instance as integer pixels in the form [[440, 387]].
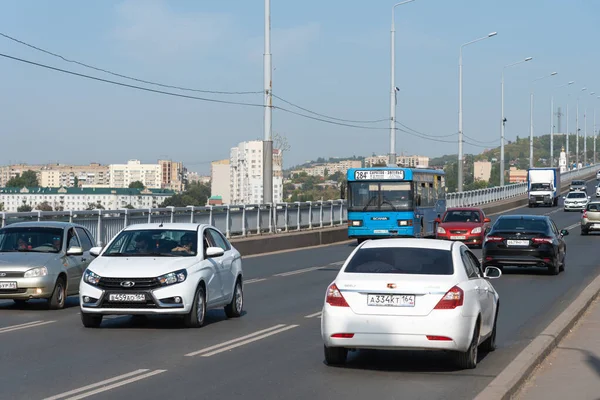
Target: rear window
[[401, 260], [593, 207], [527, 225]]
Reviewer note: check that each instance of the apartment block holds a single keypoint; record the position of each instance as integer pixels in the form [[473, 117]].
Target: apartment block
[[220, 180], [482, 170], [401, 161], [59, 175], [7, 172], [330, 168], [173, 174], [122, 175]]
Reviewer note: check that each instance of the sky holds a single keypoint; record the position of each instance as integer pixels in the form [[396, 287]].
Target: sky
[[330, 57]]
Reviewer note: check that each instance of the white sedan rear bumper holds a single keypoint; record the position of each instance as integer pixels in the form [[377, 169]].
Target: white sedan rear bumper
[[381, 332]]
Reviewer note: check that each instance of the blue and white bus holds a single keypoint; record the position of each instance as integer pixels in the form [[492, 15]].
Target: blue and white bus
[[394, 202]]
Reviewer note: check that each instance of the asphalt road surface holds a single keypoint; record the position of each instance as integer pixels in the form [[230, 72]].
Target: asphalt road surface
[[274, 351]]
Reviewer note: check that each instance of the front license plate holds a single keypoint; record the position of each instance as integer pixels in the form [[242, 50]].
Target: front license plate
[[596, 226], [391, 300], [8, 285], [458, 237], [517, 242], [122, 297]]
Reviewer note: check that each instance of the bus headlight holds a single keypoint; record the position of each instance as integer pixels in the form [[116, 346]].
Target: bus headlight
[[355, 223]]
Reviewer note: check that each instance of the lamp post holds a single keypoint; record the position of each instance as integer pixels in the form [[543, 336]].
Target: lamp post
[[503, 120], [392, 156], [567, 134], [585, 133], [552, 123], [531, 117], [595, 133], [460, 111], [577, 133]]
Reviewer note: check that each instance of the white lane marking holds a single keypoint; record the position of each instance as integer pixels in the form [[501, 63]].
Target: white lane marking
[[299, 271], [254, 339], [104, 382], [338, 263], [317, 314], [33, 324], [249, 281], [572, 226], [195, 353]]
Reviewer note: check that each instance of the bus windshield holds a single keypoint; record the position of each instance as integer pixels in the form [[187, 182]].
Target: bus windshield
[[380, 196]]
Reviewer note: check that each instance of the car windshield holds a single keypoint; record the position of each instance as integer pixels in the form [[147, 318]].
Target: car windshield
[[379, 196], [541, 186], [462, 216], [576, 195], [401, 260], [577, 183], [521, 225], [154, 243], [593, 207], [31, 239]]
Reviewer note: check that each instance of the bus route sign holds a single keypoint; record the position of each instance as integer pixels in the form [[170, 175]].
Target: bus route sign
[[374, 175]]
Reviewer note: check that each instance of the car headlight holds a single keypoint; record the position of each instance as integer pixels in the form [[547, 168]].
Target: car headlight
[[36, 272], [173, 277], [476, 230], [441, 230], [91, 278]]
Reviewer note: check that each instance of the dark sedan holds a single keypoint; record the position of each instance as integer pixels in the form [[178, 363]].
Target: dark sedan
[[525, 241]]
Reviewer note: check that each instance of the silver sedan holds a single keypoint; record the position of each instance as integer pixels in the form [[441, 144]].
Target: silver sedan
[[43, 260]]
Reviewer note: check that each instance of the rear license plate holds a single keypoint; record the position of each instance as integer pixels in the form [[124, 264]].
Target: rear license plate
[[8, 285], [458, 237], [391, 300], [517, 242], [122, 297]]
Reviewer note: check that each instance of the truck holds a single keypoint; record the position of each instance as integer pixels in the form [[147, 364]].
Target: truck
[[543, 186]]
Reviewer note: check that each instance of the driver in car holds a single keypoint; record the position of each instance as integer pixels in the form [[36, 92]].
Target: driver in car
[[187, 244]]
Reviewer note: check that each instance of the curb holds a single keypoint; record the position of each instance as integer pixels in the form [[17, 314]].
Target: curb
[[507, 384]]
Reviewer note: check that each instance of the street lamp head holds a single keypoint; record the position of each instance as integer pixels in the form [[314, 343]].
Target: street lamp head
[[492, 34], [529, 59], [554, 73], [583, 89], [570, 83]]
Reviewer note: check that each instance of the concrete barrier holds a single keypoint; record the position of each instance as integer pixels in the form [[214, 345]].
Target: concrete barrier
[[295, 240]]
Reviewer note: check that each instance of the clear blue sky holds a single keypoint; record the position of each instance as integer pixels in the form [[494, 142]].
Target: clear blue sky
[[329, 56]]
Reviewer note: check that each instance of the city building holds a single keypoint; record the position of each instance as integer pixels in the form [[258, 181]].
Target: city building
[[173, 174], [482, 171], [246, 173], [8, 172], [328, 169], [122, 175], [401, 161], [194, 177], [517, 175], [59, 175], [220, 180], [76, 199]]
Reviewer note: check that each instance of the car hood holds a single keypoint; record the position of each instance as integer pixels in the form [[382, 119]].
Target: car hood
[[23, 261], [460, 225], [139, 267], [576, 200]]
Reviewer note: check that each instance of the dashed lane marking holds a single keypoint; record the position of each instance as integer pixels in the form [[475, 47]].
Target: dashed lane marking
[[33, 324], [317, 314]]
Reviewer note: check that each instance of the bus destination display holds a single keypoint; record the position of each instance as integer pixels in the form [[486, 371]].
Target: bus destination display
[[371, 175]]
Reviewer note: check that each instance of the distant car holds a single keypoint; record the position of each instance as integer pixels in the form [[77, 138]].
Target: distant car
[[575, 201], [590, 218], [466, 224], [43, 260], [598, 190], [578, 185], [171, 268], [411, 294], [526, 241], [598, 176]]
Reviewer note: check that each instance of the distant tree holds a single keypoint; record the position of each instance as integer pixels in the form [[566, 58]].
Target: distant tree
[[1, 206], [95, 206], [27, 179], [76, 182], [136, 185], [197, 194], [129, 207], [24, 208], [44, 206]]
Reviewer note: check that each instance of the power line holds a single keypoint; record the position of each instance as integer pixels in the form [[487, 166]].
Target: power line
[[127, 85], [482, 141], [329, 117], [121, 75], [425, 134]]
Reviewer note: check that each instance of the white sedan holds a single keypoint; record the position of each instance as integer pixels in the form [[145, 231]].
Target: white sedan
[[411, 294], [182, 269]]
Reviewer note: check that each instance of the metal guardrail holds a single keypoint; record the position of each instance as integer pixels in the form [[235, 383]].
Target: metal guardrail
[[498, 193], [251, 219]]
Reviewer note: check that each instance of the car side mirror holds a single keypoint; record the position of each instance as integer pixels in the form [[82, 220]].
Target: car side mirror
[[564, 197], [213, 252], [486, 220], [492, 273], [95, 251], [564, 232], [75, 251], [589, 197]]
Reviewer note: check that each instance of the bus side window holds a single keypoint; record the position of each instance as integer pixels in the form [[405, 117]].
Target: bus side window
[[433, 195]]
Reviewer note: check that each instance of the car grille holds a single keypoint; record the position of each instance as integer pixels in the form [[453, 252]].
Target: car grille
[[13, 291], [12, 274], [538, 198], [458, 231], [139, 283]]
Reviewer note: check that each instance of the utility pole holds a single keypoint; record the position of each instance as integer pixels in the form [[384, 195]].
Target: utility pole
[[268, 103]]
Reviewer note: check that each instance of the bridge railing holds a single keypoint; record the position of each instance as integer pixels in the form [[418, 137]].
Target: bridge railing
[[251, 219]]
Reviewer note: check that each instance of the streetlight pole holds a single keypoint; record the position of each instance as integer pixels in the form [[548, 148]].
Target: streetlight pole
[[595, 133], [503, 120], [577, 132], [531, 117], [552, 123], [585, 134], [268, 103], [392, 156], [460, 110]]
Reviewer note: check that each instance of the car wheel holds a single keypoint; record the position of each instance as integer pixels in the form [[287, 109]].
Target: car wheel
[[195, 318], [91, 320], [58, 298], [554, 267], [584, 232], [489, 344], [468, 359], [335, 355], [234, 309]]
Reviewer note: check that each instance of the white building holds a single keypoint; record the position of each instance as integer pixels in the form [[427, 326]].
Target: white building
[[220, 180], [401, 160], [76, 199], [121, 175], [246, 173]]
